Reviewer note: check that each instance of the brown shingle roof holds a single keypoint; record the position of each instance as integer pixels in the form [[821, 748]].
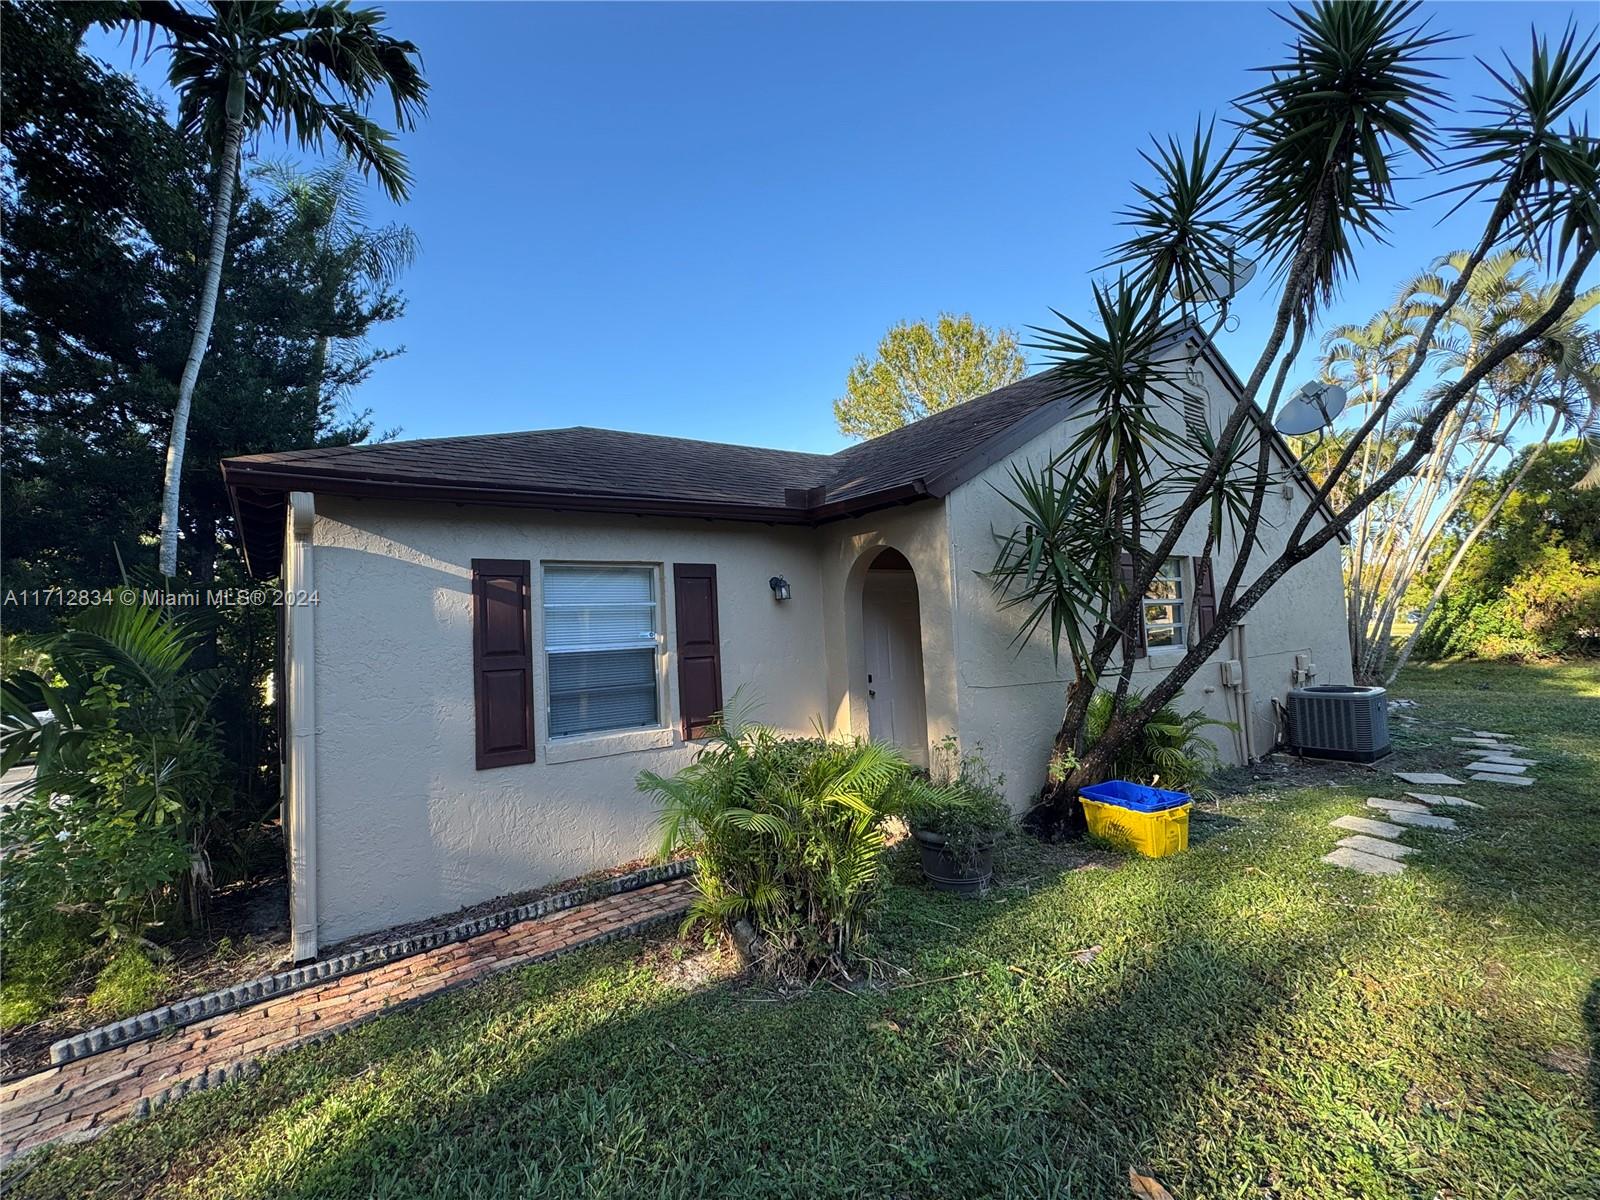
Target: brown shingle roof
[[611, 471], [606, 470]]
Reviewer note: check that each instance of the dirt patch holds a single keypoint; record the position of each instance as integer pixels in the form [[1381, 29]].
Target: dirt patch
[[689, 970]]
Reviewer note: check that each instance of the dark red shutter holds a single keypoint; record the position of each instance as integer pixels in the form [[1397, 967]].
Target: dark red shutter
[[694, 588], [1132, 637], [1205, 596], [502, 661]]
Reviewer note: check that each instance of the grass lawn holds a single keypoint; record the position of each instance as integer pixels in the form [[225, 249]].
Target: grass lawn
[[1253, 1024]]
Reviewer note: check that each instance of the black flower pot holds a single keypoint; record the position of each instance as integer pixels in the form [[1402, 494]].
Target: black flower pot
[[946, 873]]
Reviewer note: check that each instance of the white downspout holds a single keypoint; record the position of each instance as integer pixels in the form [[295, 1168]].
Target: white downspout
[[299, 576], [1242, 653]]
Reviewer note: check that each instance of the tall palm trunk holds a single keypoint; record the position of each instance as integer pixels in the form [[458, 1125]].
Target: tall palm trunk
[[1467, 544], [221, 216]]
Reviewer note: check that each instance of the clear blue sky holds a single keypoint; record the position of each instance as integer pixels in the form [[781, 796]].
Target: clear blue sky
[[689, 219]]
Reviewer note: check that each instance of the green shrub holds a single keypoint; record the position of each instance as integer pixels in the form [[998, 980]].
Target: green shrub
[[788, 835], [130, 983], [128, 778], [966, 804], [1168, 752]]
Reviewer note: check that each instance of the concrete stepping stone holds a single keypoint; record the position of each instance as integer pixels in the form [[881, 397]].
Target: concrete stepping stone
[[1395, 805], [1426, 777], [1366, 864], [1508, 780], [1508, 759], [1367, 825], [1499, 768], [1422, 820], [1485, 743], [1446, 801], [1372, 845], [1499, 737], [1488, 752]]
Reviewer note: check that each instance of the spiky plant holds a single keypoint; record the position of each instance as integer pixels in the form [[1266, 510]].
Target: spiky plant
[[1168, 752], [788, 835]]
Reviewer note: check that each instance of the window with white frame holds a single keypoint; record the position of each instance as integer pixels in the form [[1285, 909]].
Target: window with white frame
[[1163, 607], [602, 646]]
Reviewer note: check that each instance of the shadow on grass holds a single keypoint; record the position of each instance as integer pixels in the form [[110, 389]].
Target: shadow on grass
[[584, 1079], [1002, 1066]]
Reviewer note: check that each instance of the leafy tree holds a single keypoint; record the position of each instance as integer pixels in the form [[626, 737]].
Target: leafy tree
[[1528, 583], [251, 66], [103, 218], [1552, 384], [1311, 174], [920, 369]]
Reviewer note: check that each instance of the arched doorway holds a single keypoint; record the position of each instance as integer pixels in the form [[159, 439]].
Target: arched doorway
[[891, 629]]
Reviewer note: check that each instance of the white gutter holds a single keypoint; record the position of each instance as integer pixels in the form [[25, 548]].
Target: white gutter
[[299, 577]]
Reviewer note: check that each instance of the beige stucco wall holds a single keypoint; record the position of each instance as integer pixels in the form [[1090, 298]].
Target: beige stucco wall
[[1011, 700], [845, 551], [406, 827]]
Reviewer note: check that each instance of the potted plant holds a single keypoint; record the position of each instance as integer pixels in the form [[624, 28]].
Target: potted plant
[[956, 819]]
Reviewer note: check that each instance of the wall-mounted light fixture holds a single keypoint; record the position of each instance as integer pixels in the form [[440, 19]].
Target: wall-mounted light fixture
[[780, 587]]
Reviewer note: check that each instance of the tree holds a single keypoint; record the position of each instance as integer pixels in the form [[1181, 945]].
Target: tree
[[1311, 174], [249, 66], [1553, 382], [101, 219], [1529, 580], [921, 369]]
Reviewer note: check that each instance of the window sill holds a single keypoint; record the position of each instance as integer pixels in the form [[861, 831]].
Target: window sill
[[601, 745], [1164, 656]]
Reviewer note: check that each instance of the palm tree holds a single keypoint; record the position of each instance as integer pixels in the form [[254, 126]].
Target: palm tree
[[1558, 376], [1365, 360], [242, 67], [328, 202]]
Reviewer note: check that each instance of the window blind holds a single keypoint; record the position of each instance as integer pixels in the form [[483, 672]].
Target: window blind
[[601, 647]]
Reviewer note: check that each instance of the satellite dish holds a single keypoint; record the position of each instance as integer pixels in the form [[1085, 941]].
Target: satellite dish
[[1312, 408], [1224, 283]]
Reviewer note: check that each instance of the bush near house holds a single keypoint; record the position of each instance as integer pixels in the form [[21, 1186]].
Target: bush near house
[[966, 807], [788, 836], [1167, 752], [111, 838]]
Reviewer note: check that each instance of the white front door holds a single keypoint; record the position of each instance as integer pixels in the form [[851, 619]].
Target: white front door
[[892, 635]]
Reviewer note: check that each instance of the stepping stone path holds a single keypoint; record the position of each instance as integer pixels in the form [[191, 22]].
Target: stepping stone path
[[1434, 798], [1495, 767], [1367, 864], [1395, 805], [1492, 758], [1365, 825], [1372, 849], [1372, 845]]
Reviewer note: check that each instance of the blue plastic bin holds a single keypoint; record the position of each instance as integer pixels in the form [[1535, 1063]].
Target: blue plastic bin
[[1136, 796]]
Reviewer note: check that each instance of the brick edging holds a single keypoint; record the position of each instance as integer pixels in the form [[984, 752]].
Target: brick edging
[[239, 995], [249, 1068], [78, 1100]]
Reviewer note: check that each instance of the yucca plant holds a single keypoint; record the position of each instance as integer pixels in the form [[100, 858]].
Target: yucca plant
[[788, 835], [1169, 751]]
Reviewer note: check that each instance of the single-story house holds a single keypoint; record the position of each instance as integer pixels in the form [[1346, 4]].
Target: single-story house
[[487, 638]]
